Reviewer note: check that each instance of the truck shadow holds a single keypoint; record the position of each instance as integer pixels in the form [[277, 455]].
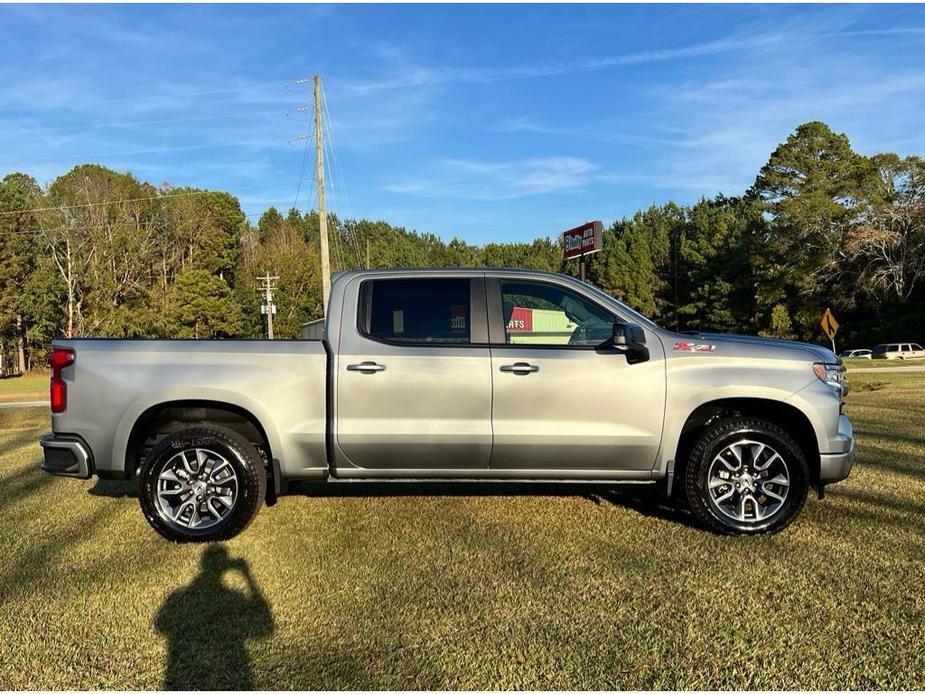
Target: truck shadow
[[208, 624], [638, 498]]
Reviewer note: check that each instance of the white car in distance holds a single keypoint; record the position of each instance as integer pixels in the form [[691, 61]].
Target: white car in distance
[[899, 350], [856, 354]]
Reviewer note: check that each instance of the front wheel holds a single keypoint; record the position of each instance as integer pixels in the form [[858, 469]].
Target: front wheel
[[202, 484], [746, 476]]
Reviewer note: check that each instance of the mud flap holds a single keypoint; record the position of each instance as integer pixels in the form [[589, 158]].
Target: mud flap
[[276, 486], [665, 487]]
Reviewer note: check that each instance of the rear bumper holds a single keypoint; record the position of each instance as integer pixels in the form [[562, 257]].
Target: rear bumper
[[836, 466], [67, 456]]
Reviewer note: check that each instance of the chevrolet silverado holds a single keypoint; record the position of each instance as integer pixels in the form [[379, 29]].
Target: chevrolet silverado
[[468, 374]]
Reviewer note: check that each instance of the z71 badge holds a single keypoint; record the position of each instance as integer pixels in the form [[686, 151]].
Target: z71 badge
[[693, 347]]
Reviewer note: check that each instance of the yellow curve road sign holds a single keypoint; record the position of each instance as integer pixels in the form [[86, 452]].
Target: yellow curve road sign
[[829, 324]]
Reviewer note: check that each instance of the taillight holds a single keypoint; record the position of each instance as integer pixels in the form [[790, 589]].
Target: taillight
[[58, 360]]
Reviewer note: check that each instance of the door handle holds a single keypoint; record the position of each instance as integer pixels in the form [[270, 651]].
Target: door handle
[[366, 367], [521, 368]]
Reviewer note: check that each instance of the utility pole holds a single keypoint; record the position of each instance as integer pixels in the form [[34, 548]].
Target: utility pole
[[322, 209], [268, 308], [319, 178], [676, 323]]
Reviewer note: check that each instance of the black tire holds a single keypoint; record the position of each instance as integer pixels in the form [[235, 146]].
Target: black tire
[[249, 490], [715, 441]]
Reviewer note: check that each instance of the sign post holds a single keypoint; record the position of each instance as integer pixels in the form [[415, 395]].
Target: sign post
[[581, 241], [829, 325]]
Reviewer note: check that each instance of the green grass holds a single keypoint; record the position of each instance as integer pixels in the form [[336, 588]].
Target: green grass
[[560, 588], [877, 363], [33, 386]]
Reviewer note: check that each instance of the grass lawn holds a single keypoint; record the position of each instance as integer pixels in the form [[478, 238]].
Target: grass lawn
[[878, 363], [29, 387], [505, 587]]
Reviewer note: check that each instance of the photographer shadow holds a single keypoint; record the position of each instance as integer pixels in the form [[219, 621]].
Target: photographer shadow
[[208, 625]]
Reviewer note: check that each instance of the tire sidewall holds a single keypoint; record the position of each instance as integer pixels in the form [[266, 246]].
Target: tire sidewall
[[715, 440], [240, 454]]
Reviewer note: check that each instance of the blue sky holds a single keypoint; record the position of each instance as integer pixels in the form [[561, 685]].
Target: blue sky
[[483, 122]]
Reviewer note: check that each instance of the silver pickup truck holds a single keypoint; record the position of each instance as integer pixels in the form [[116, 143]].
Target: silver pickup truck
[[468, 374]]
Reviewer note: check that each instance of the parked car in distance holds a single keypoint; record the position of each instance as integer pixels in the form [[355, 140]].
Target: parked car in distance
[[856, 354], [899, 350], [454, 374]]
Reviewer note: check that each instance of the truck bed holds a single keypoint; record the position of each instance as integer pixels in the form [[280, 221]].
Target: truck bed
[[281, 382]]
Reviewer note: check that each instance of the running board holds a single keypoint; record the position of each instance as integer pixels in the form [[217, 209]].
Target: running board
[[567, 476]]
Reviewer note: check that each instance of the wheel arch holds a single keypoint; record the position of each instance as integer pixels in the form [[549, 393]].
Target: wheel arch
[[787, 416], [162, 418]]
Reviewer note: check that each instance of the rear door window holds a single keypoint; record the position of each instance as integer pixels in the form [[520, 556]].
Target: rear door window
[[420, 311]]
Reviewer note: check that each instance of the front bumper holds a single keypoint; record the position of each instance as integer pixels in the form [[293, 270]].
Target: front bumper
[[836, 466], [67, 456]]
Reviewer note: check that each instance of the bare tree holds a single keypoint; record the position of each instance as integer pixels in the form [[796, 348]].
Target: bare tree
[[888, 246]]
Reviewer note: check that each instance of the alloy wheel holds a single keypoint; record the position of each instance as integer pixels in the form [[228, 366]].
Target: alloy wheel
[[748, 481], [196, 489]]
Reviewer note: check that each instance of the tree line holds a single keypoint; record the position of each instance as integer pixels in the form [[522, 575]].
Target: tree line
[[101, 253]]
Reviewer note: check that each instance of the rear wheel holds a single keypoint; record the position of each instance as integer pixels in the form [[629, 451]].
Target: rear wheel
[[746, 476], [202, 484]]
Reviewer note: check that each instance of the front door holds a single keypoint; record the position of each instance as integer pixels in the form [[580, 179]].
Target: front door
[[561, 401], [413, 377]]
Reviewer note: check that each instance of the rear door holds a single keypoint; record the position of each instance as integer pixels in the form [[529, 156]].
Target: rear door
[[561, 401], [413, 375]]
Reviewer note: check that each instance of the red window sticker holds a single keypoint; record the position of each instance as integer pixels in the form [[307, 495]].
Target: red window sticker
[[457, 317], [521, 320]]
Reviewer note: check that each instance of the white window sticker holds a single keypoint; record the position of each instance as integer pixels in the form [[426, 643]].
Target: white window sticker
[[398, 321]]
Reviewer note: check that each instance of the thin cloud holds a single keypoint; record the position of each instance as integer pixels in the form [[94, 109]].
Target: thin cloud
[[480, 180], [423, 76]]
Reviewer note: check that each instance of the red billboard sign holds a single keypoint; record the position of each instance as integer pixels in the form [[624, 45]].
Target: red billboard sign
[[521, 320], [588, 238]]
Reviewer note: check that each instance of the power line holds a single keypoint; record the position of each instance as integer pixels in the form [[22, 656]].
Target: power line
[[108, 202], [338, 170], [36, 232], [302, 172], [339, 254], [56, 208], [151, 97], [313, 193], [334, 157], [130, 124], [159, 150]]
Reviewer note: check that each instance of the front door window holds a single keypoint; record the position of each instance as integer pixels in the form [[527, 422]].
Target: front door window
[[536, 313]]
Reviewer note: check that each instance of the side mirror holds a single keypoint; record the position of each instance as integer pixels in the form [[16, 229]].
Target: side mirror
[[632, 340]]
